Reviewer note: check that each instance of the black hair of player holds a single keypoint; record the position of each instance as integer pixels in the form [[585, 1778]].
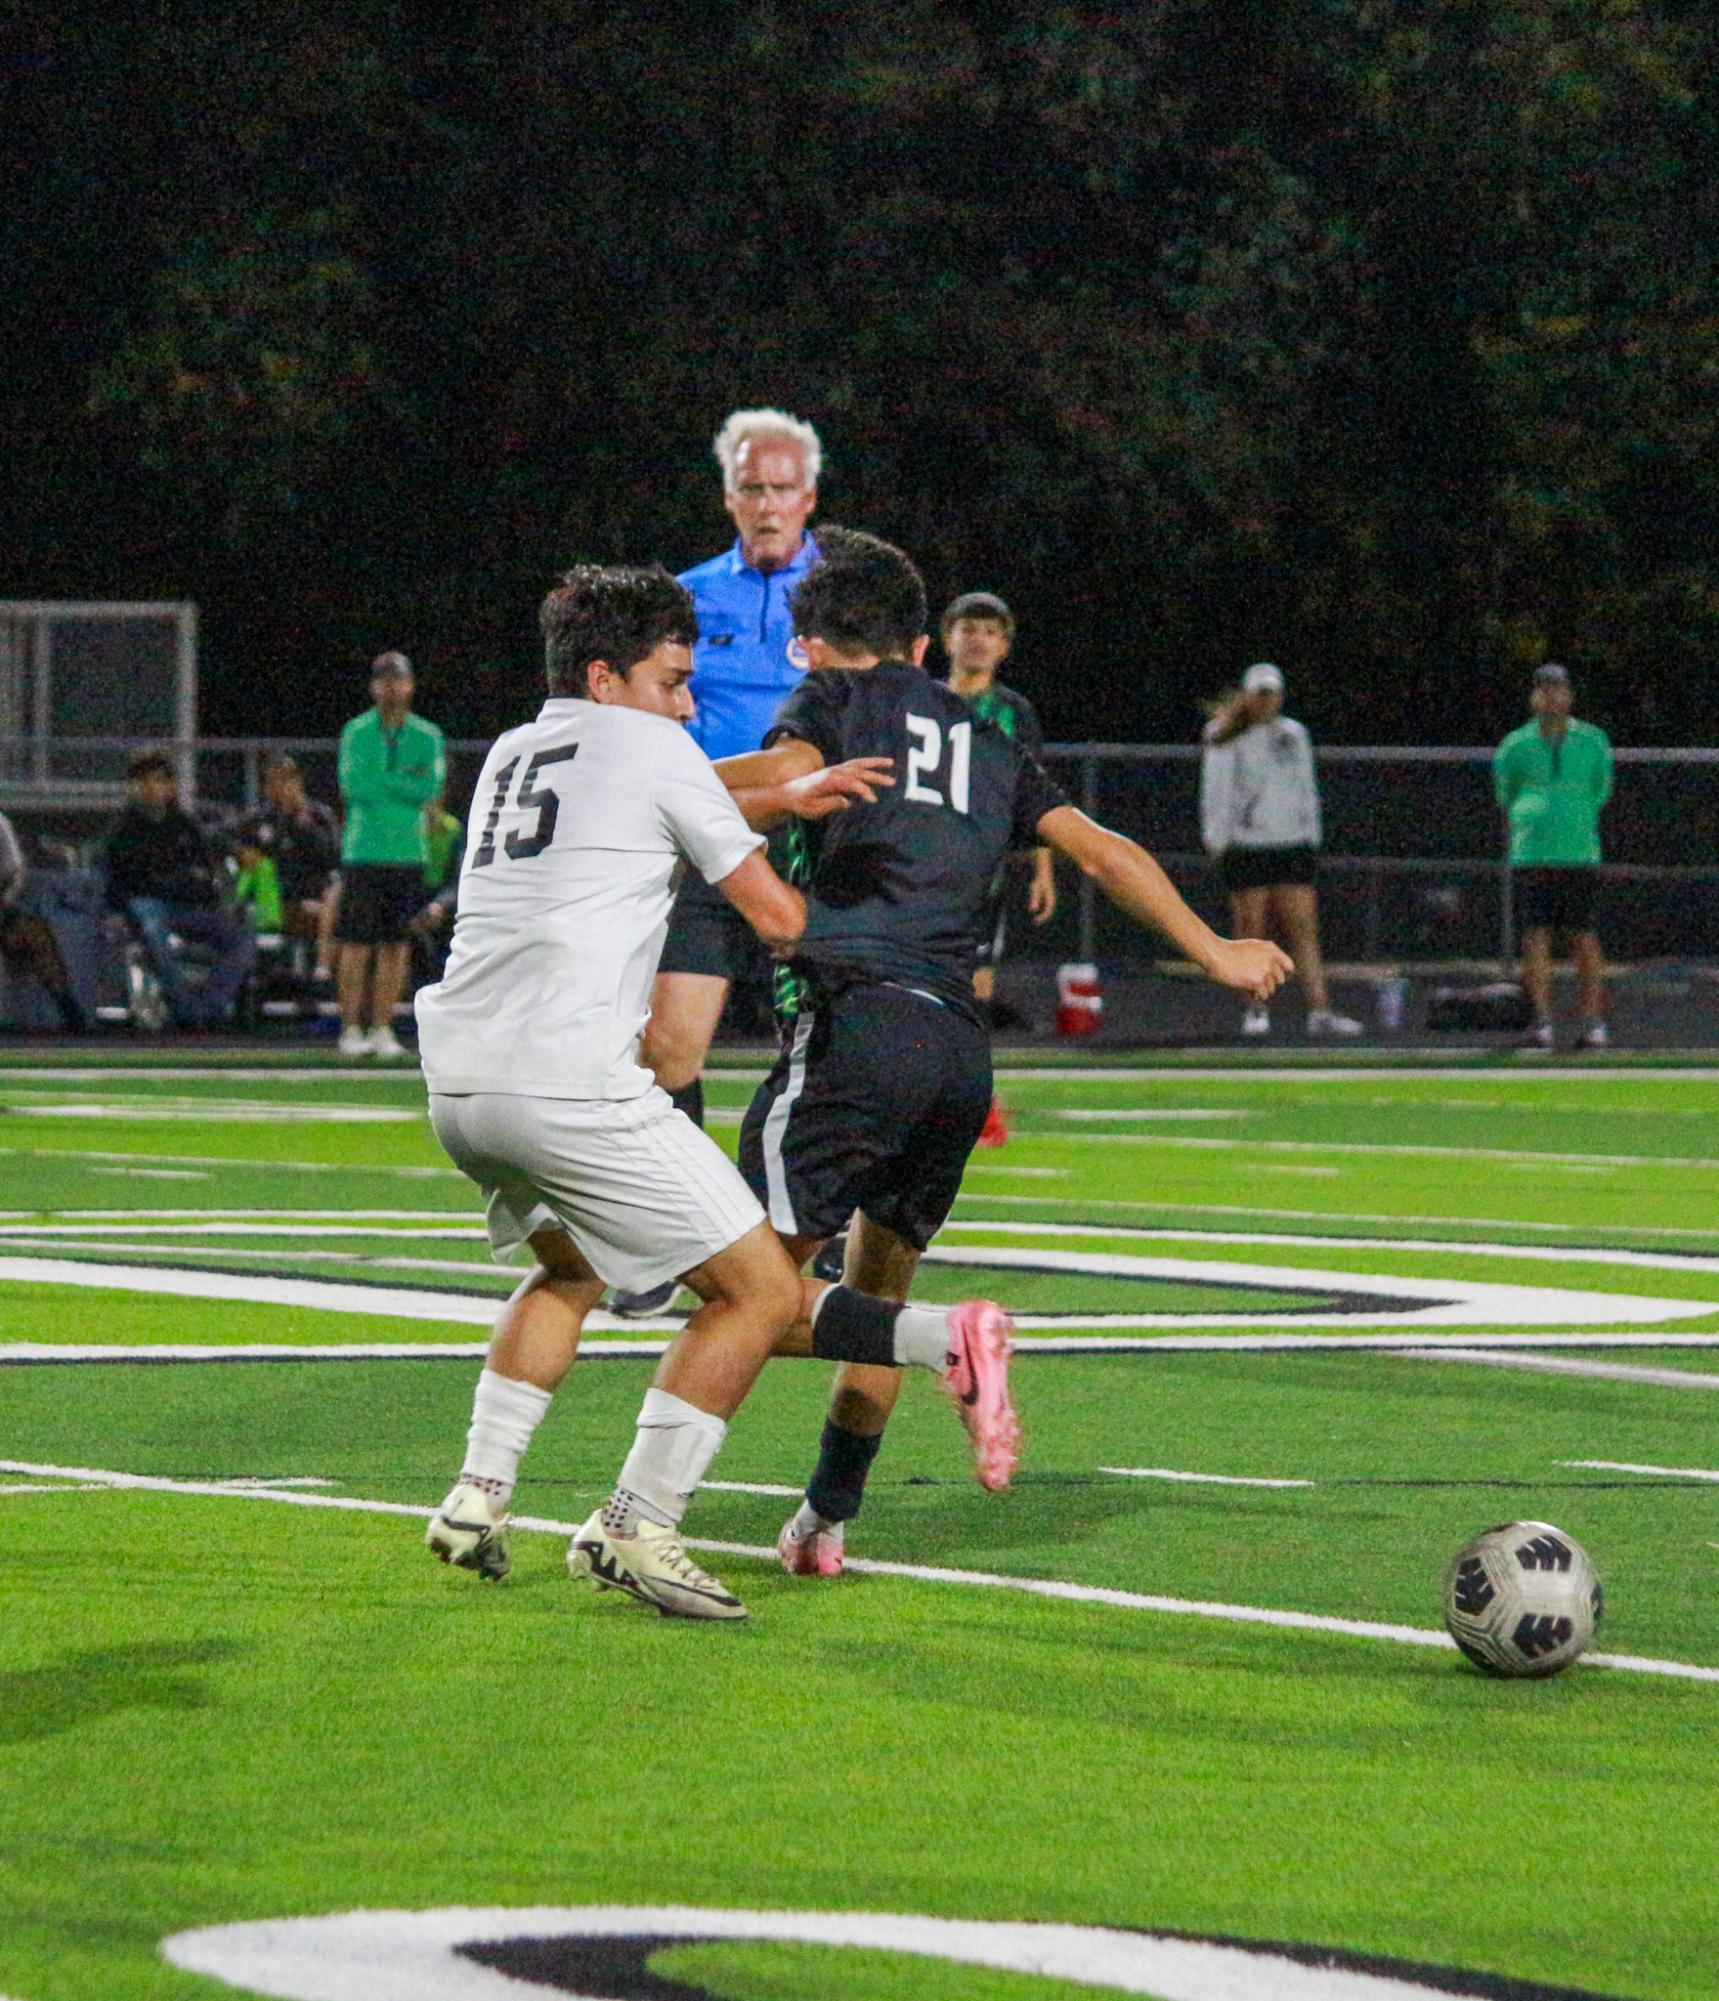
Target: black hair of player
[[616, 613], [862, 595]]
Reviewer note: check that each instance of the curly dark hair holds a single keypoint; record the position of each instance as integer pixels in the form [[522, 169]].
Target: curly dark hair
[[862, 595], [615, 613]]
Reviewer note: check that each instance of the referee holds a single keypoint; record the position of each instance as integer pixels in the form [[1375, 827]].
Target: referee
[[1552, 777]]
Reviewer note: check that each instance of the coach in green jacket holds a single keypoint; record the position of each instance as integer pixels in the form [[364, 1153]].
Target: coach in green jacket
[[1552, 777], [392, 764]]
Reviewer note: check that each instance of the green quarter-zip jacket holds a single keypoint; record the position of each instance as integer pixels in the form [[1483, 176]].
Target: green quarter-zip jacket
[[1551, 790], [387, 778]]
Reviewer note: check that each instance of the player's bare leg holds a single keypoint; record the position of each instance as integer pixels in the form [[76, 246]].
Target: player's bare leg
[[352, 977], [1591, 989], [1298, 913], [1537, 980], [975, 1341], [388, 983], [984, 985], [752, 1297], [1250, 917], [532, 1348]]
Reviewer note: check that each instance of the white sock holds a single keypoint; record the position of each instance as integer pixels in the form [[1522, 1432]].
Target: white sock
[[922, 1337], [809, 1522], [671, 1454], [504, 1415]]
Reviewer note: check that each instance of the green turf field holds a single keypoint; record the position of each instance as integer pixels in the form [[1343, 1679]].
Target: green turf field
[[1359, 1311]]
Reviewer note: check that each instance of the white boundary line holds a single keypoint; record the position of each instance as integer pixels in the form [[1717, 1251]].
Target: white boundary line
[[1198, 1479], [1563, 1365], [1037, 1587], [78, 1153], [1515, 1156], [1624, 1466]]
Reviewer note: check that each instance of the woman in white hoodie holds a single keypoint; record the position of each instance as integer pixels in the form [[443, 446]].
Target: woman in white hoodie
[[1259, 814]]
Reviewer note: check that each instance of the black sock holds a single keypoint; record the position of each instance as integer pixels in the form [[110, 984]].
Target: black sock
[[837, 1488], [690, 1099], [852, 1326]]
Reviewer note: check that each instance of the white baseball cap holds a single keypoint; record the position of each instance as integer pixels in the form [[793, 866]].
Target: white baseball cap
[[1260, 676]]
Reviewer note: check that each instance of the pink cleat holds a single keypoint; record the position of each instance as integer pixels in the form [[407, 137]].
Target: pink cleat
[[977, 1377], [817, 1553]]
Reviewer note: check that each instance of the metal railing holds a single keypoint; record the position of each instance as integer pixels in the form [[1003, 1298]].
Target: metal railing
[[1413, 864]]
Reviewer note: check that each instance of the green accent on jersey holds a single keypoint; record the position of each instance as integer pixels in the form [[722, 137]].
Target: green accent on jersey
[[387, 778], [791, 851], [1551, 790], [996, 704]]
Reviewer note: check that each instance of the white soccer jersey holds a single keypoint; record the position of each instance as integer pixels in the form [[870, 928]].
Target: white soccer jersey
[[575, 828], [1259, 789]]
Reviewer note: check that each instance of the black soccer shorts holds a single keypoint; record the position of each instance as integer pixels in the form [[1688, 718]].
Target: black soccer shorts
[[378, 901], [706, 934], [1560, 899], [874, 1105]]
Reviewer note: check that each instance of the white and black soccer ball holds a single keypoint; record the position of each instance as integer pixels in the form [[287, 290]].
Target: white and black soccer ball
[[1522, 1599]]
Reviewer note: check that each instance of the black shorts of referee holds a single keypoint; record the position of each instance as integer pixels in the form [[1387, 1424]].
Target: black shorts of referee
[[378, 901], [1555, 899], [874, 1104], [1267, 868], [706, 934]]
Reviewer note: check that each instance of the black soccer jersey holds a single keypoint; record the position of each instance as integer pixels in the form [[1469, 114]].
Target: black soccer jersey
[[896, 891]]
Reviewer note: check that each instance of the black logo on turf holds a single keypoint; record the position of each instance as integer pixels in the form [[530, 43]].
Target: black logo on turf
[[1473, 1591], [1541, 1633], [1545, 1552]]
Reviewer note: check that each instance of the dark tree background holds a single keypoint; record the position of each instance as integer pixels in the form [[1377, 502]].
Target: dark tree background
[[1378, 338]]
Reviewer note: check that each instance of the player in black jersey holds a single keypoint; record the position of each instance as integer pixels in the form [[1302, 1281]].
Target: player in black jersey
[[885, 1076]]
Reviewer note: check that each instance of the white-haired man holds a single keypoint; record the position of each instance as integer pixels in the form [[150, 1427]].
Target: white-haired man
[[741, 675], [1259, 813]]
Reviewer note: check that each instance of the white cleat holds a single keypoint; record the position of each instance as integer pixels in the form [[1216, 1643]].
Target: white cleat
[[384, 1043], [1326, 1021], [1257, 1021], [469, 1530], [354, 1042], [651, 1566]]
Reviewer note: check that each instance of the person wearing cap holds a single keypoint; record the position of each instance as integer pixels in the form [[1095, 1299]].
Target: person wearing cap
[[1552, 777], [1259, 815], [392, 764]]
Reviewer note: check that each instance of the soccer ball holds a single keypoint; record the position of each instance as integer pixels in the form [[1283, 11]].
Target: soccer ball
[[1522, 1599]]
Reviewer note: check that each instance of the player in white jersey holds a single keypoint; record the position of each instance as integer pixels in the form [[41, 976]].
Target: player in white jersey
[[530, 1052]]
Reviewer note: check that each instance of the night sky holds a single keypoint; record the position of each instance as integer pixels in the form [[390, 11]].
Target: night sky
[[1381, 340]]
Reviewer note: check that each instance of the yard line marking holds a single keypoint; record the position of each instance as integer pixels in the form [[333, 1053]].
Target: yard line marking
[[1706, 1263], [1034, 1173], [1172, 1074], [159, 1173], [1411, 1301], [53, 1487], [56, 1354], [1624, 1466], [76, 1153], [1561, 1365], [134, 1073], [297, 1215], [1157, 1112], [1199, 1479], [1332, 1215], [436, 1224], [1527, 1156], [1038, 1587], [220, 1112], [751, 1487]]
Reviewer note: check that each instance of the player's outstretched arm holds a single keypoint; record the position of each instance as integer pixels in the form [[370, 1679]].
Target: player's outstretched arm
[[791, 780], [774, 909], [1134, 882]]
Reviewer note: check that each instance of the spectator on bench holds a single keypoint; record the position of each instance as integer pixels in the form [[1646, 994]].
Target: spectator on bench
[[27, 943], [301, 837], [162, 876]]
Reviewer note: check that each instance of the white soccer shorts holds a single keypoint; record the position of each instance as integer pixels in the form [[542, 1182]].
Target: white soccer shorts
[[639, 1188]]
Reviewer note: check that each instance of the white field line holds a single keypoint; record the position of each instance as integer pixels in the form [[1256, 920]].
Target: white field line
[[1705, 1263], [1625, 1466], [1197, 1479], [47, 1074], [1515, 1156], [752, 1487], [1561, 1365], [1424, 1302], [1038, 1587], [228, 1161], [298, 1216], [1157, 1112], [645, 1348], [1445, 1302], [1311, 1216], [437, 1224], [159, 1173], [1169, 1076], [1025, 1173], [220, 1112]]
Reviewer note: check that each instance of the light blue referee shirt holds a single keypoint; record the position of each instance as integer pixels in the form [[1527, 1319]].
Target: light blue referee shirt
[[741, 673]]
